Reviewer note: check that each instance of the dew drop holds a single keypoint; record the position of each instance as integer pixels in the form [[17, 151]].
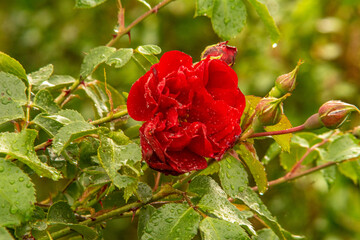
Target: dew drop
[[29, 184], [232, 187], [2, 168], [16, 190], [11, 181], [21, 179], [169, 220], [13, 209], [274, 45]]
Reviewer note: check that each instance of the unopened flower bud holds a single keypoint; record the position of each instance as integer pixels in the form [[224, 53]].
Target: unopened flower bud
[[221, 51], [285, 83], [269, 111], [334, 113], [313, 122]]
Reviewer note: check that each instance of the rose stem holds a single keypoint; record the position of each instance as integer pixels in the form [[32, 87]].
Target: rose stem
[[285, 131]]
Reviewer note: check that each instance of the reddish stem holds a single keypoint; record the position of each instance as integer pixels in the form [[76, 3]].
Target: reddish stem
[[285, 131]]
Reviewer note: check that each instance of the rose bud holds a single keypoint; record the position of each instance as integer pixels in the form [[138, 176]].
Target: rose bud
[[220, 51], [334, 113], [268, 111], [285, 83]]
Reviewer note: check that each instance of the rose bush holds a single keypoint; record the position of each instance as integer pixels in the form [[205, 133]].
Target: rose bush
[[191, 112]]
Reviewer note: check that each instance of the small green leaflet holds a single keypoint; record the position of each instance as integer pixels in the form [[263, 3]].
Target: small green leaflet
[[21, 146], [42, 75], [217, 229], [17, 195], [61, 212], [172, 221], [115, 157], [144, 192], [12, 97], [12, 66], [149, 52], [55, 82], [213, 200], [248, 154], [95, 57], [343, 148], [119, 58], [71, 132], [88, 3], [45, 101], [284, 139], [228, 17], [268, 21]]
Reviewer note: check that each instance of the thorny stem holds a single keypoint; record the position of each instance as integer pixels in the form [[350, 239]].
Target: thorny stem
[[308, 151], [60, 99], [298, 175], [285, 131], [127, 29]]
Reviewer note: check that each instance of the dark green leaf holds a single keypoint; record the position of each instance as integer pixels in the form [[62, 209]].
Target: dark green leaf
[[45, 101], [96, 55], [21, 146], [144, 192], [202, 185], [61, 212], [71, 132], [11, 87], [120, 57], [17, 195], [248, 154], [172, 221], [10, 110], [265, 234], [228, 17], [269, 22], [88, 3], [42, 75], [5, 235], [273, 151], [217, 229], [350, 169], [144, 216], [67, 116], [12, 66], [343, 148], [232, 175]]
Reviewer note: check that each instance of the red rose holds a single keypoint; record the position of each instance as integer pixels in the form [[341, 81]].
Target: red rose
[[190, 112]]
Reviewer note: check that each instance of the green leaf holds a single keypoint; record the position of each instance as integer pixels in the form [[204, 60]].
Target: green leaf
[[61, 212], [228, 18], [265, 234], [96, 91], [50, 126], [71, 132], [144, 192], [233, 176], [17, 195], [11, 87], [115, 157], [144, 216], [42, 75], [213, 168], [268, 21], [10, 110], [67, 116], [5, 235], [343, 148], [86, 232], [214, 201], [350, 169], [12, 66], [284, 139], [204, 8], [217, 229], [95, 56], [248, 154], [88, 3], [120, 57], [172, 221], [273, 151], [21, 146], [45, 101], [55, 82], [145, 3], [149, 50]]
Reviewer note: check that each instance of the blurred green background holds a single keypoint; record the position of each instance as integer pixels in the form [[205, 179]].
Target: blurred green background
[[326, 34]]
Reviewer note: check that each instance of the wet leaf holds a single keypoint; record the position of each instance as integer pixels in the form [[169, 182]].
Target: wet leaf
[[284, 139], [172, 221], [45, 101], [55, 82], [217, 229], [12, 66], [5, 235], [144, 216], [17, 195], [343, 148], [88, 3], [96, 55], [61, 212], [119, 58], [21, 146], [42, 75]]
